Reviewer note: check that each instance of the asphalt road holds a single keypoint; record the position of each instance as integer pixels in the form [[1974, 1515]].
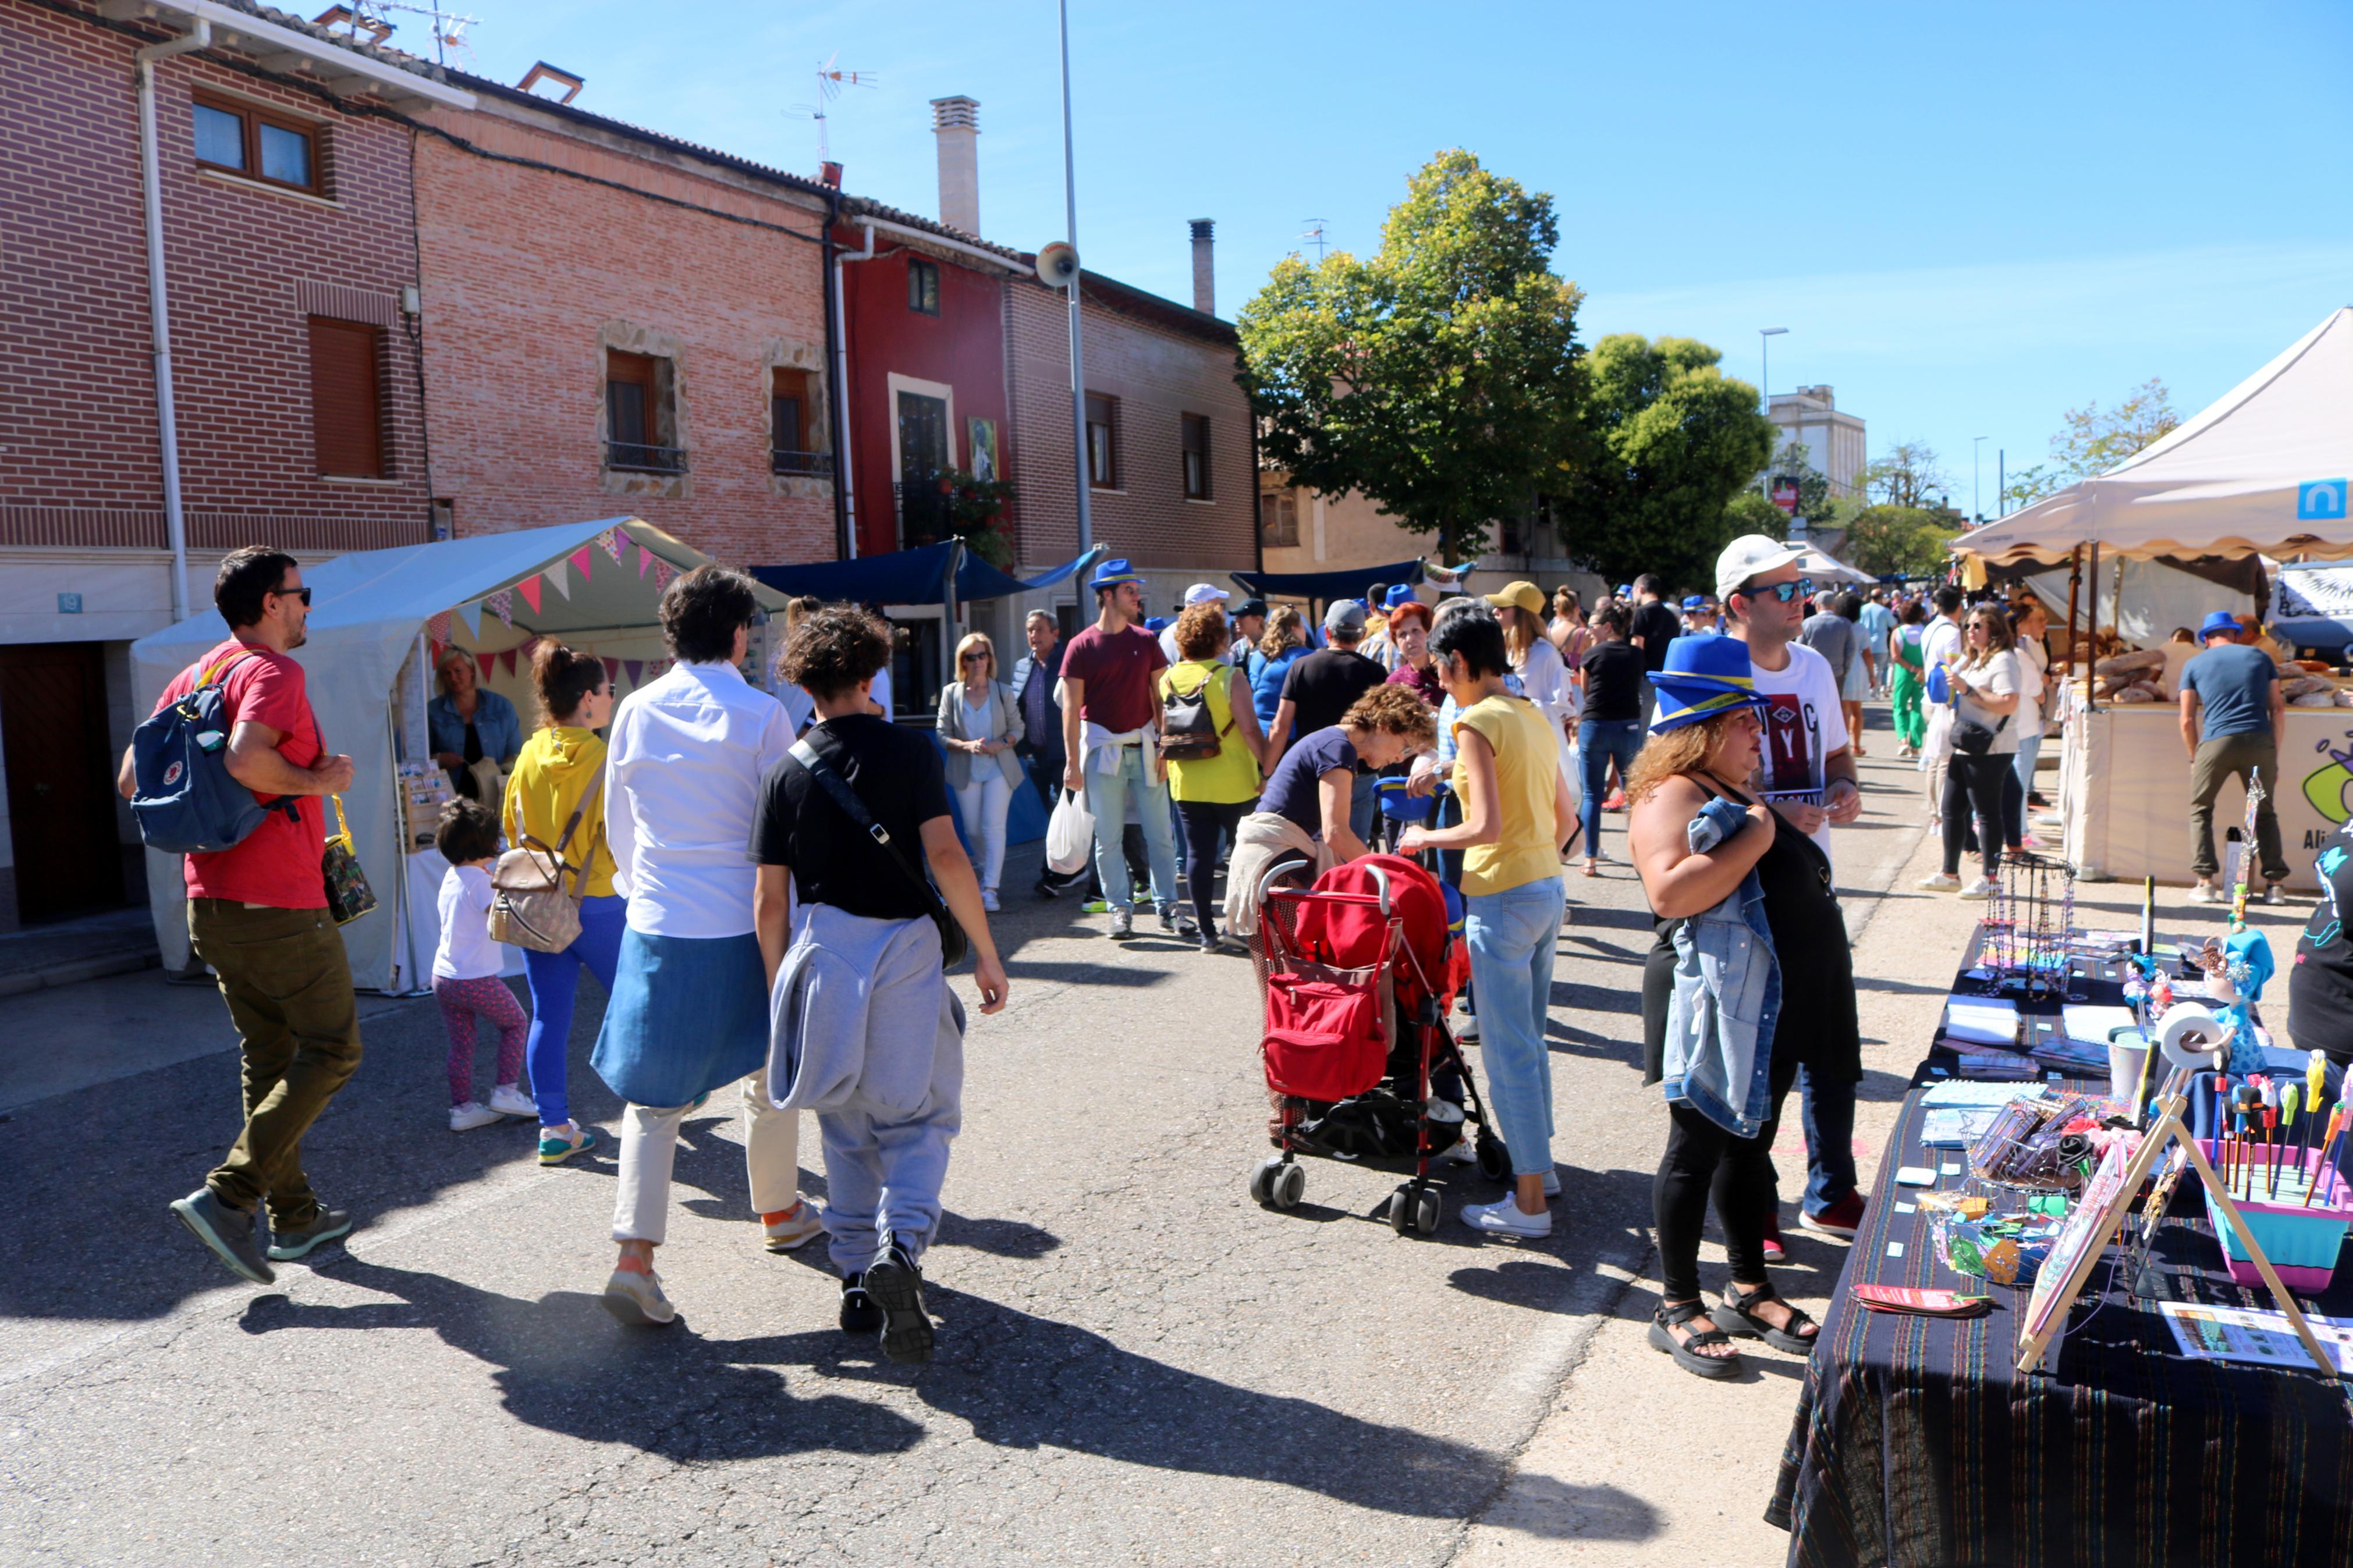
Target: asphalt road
[[1137, 1365]]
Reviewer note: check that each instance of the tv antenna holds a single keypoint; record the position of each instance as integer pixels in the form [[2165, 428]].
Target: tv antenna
[[1315, 235], [373, 21], [830, 80]]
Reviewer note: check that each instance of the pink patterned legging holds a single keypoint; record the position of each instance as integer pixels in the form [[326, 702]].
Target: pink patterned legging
[[460, 1000]]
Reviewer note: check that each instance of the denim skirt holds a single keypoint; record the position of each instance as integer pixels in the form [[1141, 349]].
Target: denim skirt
[[687, 1015]]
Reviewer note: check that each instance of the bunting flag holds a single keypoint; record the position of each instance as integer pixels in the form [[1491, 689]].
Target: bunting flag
[[509, 658], [529, 589], [530, 648], [474, 617], [662, 574], [644, 559], [637, 669], [438, 628], [611, 542], [501, 604], [560, 577], [613, 670], [581, 558]]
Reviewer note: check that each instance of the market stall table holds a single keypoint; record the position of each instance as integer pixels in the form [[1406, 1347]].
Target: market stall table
[[1917, 1444]]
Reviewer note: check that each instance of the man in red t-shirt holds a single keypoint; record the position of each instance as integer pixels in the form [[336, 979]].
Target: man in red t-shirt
[[258, 915], [1111, 732]]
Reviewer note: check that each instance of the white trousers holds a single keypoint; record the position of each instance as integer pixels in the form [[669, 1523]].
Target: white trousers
[[771, 1149], [983, 804]]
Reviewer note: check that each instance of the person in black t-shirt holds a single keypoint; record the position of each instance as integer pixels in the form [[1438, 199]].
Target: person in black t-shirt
[[1609, 735], [883, 1172], [1319, 692], [1655, 625]]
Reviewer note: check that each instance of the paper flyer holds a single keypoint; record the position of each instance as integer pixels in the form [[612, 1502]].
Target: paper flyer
[[2255, 1335]]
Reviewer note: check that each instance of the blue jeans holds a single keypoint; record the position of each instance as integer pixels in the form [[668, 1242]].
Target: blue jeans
[[1045, 770], [1827, 1112], [1598, 741], [554, 977], [1513, 936], [2029, 747], [1107, 803]]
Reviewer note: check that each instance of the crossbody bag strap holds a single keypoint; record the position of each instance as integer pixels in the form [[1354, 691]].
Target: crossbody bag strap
[[837, 787], [579, 872]]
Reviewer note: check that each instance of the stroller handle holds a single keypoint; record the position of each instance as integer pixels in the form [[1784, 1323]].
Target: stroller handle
[[1381, 882], [1282, 867]]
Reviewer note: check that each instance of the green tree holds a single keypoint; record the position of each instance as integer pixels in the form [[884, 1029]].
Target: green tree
[[2096, 439], [1438, 376], [2024, 487], [1664, 444], [1908, 476], [1910, 540]]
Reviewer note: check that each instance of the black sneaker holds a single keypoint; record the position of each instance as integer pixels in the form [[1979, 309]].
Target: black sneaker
[[291, 1243], [228, 1233], [1173, 918], [1046, 890], [896, 1288], [860, 1315]]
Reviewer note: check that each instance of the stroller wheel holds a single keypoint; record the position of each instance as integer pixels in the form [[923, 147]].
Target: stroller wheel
[[1262, 1179], [1425, 1212], [1290, 1184], [1401, 1205], [1494, 1164]]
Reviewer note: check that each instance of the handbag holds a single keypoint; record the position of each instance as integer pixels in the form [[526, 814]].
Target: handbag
[[530, 906], [954, 943], [348, 894]]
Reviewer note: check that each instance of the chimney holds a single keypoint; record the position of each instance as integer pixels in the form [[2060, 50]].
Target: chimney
[[956, 122], [1204, 276]]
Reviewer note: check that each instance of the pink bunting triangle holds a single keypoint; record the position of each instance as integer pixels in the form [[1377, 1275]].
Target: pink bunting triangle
[[501, 604], [637, 669], [662, 574], [581, 558], [611, 542], [644, 559], [529, 589]]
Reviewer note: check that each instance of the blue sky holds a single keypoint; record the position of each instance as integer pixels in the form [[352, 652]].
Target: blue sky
[[1971, 217]]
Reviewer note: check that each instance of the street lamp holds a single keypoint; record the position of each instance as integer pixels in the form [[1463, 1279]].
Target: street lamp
[[1977, 473], [1765, 336], [1078, 363]]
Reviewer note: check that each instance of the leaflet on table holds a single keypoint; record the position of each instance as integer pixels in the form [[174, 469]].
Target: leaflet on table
[[2096, 1024], [2254, 1334], [1956, 1126], [1955, 1092], [1996, 1065], [1981, 1021]]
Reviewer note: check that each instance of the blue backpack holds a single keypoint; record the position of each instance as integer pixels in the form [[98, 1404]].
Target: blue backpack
[[184, 800]]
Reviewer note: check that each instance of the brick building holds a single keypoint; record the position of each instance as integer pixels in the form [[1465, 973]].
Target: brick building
[[617, 321], [288, 253]]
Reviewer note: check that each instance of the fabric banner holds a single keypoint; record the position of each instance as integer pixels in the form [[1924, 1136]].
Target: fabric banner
[[529, 589], [501, 604], [610, 542], [560, 577], [644, 559], [438, 628], [1322, 586], [580, 560], [662, 574], [637, 669], [472, 615], [613, 670]]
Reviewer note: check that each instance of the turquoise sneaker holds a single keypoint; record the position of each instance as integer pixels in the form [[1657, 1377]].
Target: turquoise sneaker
[[555, 1147]]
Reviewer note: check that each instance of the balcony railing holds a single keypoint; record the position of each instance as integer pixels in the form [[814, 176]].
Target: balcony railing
[[803, 465], [923, 512], [634, 458]]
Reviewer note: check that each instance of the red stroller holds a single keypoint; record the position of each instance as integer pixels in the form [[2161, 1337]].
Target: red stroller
[[1358, 972]]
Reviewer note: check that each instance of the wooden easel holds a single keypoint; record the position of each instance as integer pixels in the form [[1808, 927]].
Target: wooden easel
[[2168, 1129]]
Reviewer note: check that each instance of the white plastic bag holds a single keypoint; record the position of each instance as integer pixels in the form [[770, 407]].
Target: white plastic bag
[[1070, 836]]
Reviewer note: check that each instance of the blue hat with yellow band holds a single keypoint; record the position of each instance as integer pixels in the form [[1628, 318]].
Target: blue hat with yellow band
[[1704, 677], [1111, 573]]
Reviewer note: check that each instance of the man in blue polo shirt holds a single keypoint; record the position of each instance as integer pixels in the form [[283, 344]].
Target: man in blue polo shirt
[[2234, 712]]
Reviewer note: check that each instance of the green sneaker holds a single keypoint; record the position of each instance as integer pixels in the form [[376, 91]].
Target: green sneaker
[[557, 1144], [1095, 907]]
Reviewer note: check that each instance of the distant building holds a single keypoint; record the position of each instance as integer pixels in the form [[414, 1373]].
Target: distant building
[[1810, 418]]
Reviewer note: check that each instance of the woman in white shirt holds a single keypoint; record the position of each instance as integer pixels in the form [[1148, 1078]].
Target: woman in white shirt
[[979, 725], [1986, 683], [689, 1013], [2033, 683]]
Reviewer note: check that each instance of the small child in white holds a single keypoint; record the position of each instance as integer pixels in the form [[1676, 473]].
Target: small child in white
[[466, 970]]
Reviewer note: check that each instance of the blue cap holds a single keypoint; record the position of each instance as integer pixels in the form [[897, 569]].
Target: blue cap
[[2219, 621], [1704, 677], [1157, 625], [1694, 602], [1625, 590], [1398, 596], [1112, 572]]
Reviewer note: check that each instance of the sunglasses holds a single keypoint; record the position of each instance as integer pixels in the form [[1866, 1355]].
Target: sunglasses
[[972, 659], [301, 594], [1785, 592]]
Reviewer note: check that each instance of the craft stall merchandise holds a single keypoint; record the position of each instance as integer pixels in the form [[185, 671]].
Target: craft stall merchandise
[[2095, 1312]]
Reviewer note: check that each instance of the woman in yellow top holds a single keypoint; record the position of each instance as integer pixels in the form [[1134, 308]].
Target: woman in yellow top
[[1214, 794], [1517, 814], [561, 766]]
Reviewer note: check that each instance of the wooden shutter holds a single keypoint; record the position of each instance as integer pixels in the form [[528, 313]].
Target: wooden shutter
[[347, 398]]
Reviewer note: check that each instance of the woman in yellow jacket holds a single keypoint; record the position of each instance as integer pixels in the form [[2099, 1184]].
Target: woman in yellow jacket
[[1214, 794], [561, 769]]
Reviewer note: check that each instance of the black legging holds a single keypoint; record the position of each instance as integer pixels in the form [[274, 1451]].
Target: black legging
[[1973, 788], [1204, 821], [1701, 1161]]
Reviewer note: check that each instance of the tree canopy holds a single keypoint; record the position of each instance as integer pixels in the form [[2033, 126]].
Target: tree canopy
[[2096, 439], [1913, 541], [1436, 377], [1663, 444], [1908, 476]]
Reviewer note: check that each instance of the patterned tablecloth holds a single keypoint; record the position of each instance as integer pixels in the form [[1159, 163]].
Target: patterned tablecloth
[[1916, 1444]]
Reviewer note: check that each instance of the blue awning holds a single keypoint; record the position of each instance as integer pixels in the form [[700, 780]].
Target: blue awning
[[1323, 586], [911, 578]]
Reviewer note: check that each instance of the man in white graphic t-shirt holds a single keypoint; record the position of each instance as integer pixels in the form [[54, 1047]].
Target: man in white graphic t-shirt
[[1805, 772]]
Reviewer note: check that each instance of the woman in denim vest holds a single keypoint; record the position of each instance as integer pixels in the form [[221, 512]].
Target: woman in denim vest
[[1732, 1004]]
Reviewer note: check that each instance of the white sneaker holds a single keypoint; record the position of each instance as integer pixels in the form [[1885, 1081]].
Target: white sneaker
[[1502, 1217], [1981, 888], [1467, 1031], [988, 900], [636, 1298], [472, 1114], [2274, 894], [796, 1226], [1940, 882], [1461, 1152], [509, 1101], [2208, 893]]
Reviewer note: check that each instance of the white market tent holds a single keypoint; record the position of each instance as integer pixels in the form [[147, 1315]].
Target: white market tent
[[2261, 471], [597, 585], [1821, 566]]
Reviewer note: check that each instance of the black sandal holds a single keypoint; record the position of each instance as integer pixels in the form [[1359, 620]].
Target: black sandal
[[1686, 1352], [1785, 1337]]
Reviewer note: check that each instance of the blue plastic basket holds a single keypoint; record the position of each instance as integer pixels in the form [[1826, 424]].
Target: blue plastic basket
[[1399, 806]]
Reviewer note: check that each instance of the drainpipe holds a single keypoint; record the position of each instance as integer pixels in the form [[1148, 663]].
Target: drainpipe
[[167, 428], [838, 306], [842, 534]]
